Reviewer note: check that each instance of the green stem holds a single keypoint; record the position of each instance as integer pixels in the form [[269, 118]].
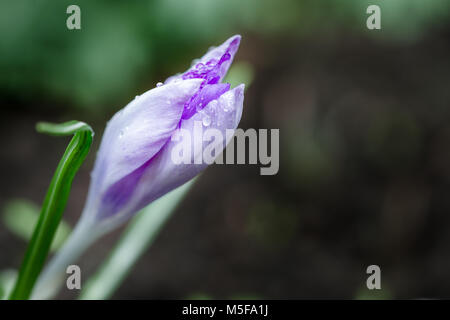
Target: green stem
[[137, 237], [54, 203]]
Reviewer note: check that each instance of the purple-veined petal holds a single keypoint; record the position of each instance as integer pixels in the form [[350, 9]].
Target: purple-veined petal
[[163, 175], [134, 135], [201, 98], [214, 65], [136, 139]]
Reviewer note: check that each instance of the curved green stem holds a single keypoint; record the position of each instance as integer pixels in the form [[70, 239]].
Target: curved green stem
[[54, 203]]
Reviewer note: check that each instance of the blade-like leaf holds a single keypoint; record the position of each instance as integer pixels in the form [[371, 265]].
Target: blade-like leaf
[[64, 129], [20, 217], [54, 202]]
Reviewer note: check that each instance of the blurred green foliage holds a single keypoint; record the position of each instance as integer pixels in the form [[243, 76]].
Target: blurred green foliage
[[393, 140], [20, 217], [365, 294], [124, 46], [272, 225], [240, 72], [7, 280]]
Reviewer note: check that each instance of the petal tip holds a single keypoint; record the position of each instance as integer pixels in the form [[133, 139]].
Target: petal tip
[[240, 88], [232, 44], [235, 40]]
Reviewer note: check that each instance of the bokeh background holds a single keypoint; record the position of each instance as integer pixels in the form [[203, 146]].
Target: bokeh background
[[364, 123]]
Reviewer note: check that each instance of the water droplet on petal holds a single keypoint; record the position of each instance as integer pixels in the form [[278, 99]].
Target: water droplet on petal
[[194, 62], [228, 107], [212, 108], [206, 120], [213, 104], [159, 84], [121, 134], [137, 96]]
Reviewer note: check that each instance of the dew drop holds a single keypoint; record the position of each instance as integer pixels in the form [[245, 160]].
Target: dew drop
[[194, 62], [121, 134], [206, 120], [228, 107], [213, 104], [159, 84]]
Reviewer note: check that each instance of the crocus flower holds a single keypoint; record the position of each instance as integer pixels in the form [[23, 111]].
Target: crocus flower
[[134, 165]]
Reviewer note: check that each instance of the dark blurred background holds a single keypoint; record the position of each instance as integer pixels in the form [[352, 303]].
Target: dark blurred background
[[364, 123]]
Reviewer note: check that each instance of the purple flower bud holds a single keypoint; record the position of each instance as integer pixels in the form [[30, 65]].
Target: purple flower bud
[[134, 165]]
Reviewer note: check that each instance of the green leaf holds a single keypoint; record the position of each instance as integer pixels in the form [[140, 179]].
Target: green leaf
[[20, 217], [7, 279], [65, 129], [137, 237], [54, 203]]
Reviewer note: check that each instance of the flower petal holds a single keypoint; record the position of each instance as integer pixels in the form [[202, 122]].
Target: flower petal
[[163, 175], [137, 132], [214, 65], [203, 97]]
